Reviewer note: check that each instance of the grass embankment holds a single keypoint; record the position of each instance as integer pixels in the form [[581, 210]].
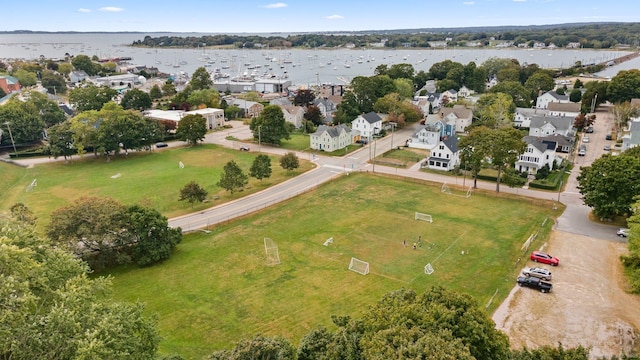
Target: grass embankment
[[217, 288], [152, 179]]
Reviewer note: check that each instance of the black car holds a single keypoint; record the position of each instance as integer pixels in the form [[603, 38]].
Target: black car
[[161, 145], [534, 283]]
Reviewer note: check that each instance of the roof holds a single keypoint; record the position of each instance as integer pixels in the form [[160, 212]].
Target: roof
[[566, 107], [539, 144], [527, 112], [558, 96], [460, 111], [371, 117], [292, 109], [451, 142], [559, 122], [10, 79], [333, 131]]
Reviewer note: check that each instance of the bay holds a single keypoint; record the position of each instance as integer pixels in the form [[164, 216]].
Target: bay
[[303, 67]]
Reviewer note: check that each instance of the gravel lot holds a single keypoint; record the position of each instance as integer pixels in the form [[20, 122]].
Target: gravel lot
[[587, 306]]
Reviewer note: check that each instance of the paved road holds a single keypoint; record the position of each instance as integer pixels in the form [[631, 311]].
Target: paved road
[[573, 220]]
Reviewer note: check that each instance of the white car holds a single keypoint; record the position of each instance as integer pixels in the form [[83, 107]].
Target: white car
[[622, 232], [538, 272], [585, 139]]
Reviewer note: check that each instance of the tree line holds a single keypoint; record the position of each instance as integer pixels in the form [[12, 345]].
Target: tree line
[[594, 35]]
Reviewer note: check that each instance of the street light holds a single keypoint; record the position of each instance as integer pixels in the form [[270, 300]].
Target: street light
[[393, 126], [11, 136], [259, 139], [374, 151]]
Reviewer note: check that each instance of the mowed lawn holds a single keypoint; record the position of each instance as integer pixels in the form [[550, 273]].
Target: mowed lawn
[[152, 179], [217, 288]]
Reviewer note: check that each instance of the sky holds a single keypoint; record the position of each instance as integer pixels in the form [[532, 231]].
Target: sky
[[251, 16]]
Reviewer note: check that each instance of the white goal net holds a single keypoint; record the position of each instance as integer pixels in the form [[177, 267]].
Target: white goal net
[[33, 183], [428, 269], [423, 217], [270, 247], [359, 266], [450, 191], [328, 241]]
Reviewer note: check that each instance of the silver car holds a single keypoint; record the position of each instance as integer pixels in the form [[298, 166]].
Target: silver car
[[538, 272]]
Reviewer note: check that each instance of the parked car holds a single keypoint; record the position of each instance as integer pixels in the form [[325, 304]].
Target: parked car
[[161, 145], [244, 148], [589, 130], [608, 137], [622, 232], [607, 148], [585, 139], [541, 257], [583, 150], [540, 273], [534, 283]]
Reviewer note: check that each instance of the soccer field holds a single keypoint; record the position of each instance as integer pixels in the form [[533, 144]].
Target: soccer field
[[218, 288]]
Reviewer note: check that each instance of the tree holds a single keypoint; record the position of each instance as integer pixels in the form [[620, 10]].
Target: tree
[[610, 184], [575, 95], [520, 95], [232, 112], [304, 97], [91, 97], [21, 213], [259, 347], [192, 192], [26, 124], [83, 62], [622, 113], [348, 109], [136, 99], [494, 110], [624, 86], [503, 147], [204, 98], [314, 115], [54, 83], [472, 155], [270, 127], [25, 77], [155, 92], [261, 167], [150, 235], [289, 161], [168, 89], [252, 96], [404, 87], [47, 110], [201, 79], [60, 138], [400, 71], [594, 95], [232, 179], [52, 309], [65, 69], [540, 81], [192, 128]]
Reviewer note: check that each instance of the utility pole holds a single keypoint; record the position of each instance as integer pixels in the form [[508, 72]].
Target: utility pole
[[259, 138], [12, 142]]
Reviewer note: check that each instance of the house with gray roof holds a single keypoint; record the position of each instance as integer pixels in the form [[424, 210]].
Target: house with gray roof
[[460, 115], [522, 118], [632, 139], [325, 105], [293, 114], [445, 156], [332, 138], [77, 76], [549, 125], [367, 125], [569, 109], [537, 154], [426, 137], [249, 108], [543, 101]]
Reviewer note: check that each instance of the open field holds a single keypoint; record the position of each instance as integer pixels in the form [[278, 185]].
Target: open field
[[217, 288], [151, 179]]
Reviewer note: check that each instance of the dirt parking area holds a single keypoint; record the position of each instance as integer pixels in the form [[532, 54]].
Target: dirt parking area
[[587, 306]]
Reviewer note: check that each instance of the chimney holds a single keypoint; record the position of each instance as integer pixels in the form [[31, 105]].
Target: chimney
[[333, 88]]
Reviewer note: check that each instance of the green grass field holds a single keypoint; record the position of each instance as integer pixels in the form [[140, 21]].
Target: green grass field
[[151, 179], [217, 288]]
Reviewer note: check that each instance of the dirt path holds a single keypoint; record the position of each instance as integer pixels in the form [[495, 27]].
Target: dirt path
[[588, 305]]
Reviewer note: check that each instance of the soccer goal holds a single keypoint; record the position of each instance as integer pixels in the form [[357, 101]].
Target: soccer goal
[[270, 247], [423, 217], [328, 241], [428, 269], [451, 191], [33, 183], [359, 266]]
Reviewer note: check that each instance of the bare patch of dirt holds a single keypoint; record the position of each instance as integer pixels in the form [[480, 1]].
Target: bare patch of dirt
[[588, 304]]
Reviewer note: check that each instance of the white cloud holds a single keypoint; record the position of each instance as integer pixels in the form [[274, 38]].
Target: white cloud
[[276, 6], [111, 9], [334, 17], [83, 10], [469, 3]]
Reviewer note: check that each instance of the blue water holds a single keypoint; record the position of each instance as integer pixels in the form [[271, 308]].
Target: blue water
[[311, 66]]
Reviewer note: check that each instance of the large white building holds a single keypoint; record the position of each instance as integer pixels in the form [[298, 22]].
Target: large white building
[[214, 117]]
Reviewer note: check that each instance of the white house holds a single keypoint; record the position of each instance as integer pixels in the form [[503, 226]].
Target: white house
[[542, 102], [536, 155], [214, 117], [77, 76], [332, 138], [326, 106], [459, 114], [465, 92], [450, 94], [425, 137], [632, 139], [367, 125], [293, 114], [549, 125], [445, 156], [523, 116], [569, 109]]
